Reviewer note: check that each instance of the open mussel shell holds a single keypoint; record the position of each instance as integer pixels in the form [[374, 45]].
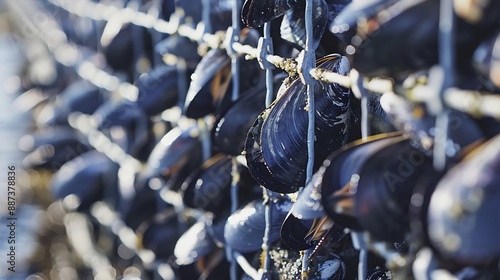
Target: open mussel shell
[[159, 234], [486, 59], [385, 187], [157, 90], [84, 180], [52, 148], [178, 149], [341, 165], [276, 144], [208, 187], [293, 26], [80, 96], [255, 13], [416, 123], [463, 220], [194, 244], [181, 47], [376, 44], [127, 125], [245, 228]]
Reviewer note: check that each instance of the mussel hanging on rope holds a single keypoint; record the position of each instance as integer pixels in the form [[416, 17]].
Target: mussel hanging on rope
[[245, 228], [84, 180], [293, 26], [341, 167], [276, 148], [255, 13], [463, 220], [211, 80], [384, 40]]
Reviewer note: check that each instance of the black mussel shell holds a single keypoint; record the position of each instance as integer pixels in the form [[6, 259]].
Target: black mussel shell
[[327, 267], [245, 228], [344, 24], [159, 234], [417, 124], [136, 137], [276, 147], [293, 26], [385, 187], [118, 50], [486, 59], [157, 90], [233, 127], [181, 47], [294, 231], [194, 244], [375, 36], [174, 157], [477, 12], [208, 188], [199, 98], [51, 149], [211, 83], [336, 195], [463, 220], [138, 202], [220, 14], [81, 96], [255, 13], [87, 178], [308, 205]]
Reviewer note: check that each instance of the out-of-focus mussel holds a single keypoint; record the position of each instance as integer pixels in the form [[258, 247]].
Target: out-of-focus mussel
[[384, 189], [211, 80], [463, 220], [377, 31], [293, 26], [276, 144], [208, 187], [50, 149], [487, 59], [255, 13], [245, 228], [159, 234], [181, 47], [127, 125], [477, 11], [341, 165], [118, 41], [84, 180], [157, 90], [80, 96], [176, 155], [415, 122], [194, 244]]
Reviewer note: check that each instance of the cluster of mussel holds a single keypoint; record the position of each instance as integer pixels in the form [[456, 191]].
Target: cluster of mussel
[[380, 202]]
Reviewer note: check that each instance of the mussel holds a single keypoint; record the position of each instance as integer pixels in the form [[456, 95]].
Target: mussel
[[127, 125], [276, 144], [461, 223], [487, 60], [211, 80], [181, 47], [80, 96], [85, 180], [173, 158], [51, 148], [245, 228], [293, 26], [157, 90], [339, 169], [194, 244], [255, 13], [383, 39]]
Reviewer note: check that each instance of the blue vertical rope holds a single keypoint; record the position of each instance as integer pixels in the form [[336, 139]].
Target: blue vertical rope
[[447, 63]]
